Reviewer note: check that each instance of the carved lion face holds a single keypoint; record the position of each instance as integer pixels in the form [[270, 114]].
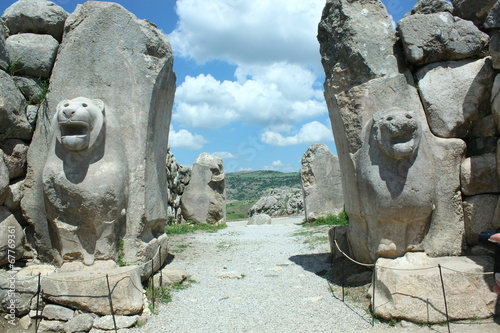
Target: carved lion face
[[397, 132], [79, 122]]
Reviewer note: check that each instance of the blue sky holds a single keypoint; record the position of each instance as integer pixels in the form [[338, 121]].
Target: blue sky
[[249, 77]]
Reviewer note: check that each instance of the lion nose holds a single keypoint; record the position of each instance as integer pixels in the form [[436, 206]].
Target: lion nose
[[68, 113]]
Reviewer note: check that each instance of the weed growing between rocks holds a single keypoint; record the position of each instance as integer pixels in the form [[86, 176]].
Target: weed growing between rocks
[[330, 219], [188, 227]]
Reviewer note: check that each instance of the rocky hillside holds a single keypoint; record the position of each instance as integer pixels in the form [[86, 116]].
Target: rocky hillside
[[250, 185]]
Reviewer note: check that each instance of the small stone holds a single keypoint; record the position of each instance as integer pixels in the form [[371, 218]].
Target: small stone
[[230, 275], [51, 326], [106, 322], [25, 322], [80, 323], [314, 299], [57, 312]]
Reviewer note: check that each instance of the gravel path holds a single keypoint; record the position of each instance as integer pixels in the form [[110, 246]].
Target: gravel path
[[278, 292], [281, 286]]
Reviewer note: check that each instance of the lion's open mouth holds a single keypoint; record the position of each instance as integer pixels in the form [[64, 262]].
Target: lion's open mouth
[[74, 129]]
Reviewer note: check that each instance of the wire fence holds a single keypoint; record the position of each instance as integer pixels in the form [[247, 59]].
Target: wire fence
[[376, 266], [110, 286]]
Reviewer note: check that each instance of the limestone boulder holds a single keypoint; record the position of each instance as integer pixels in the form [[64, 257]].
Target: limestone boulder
[[66, 288], [431, 7], [479, 215], [492, 21], [203, 200], [479, 175], [33, 89], [338, 240], [32, 54], [467, 83], [26, 289], [473, 10], [57, 312], [368, 40], [436, 37], [107, 323], [321, 182], [409, 288], [260, 219], [170, 275], [14, 124], [15, 157], [268, 204], [35, 16], [495, 49], [11, 238], [125, 75], [80, 323], [4, 57], [4, 178], [279, 201], [14, 195]]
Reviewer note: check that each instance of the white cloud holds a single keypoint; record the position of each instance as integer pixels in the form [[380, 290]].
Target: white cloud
[[279, 166], [248, 31], [224, 155], [277, 163], [185, 139], [276, 95], [313, 132]]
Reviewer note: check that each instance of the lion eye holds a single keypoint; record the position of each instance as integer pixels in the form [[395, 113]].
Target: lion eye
[[66, 105], [409, 116], [84, 105], [389, 118]]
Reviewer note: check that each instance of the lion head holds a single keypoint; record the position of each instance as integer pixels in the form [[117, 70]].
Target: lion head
[[397, 132], [78, 123]]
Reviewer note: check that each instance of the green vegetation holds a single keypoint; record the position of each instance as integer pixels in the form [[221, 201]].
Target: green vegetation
[[249, 185], [119, 254], [42, 94], [330, 219], [238, 209], [188, 227], [15, 66], [158, 294]]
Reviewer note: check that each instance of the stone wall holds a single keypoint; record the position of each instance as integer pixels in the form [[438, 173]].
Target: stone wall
[[279, 202], [414, 115]]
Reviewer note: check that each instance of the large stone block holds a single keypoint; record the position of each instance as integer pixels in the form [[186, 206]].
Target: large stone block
[[25, 288], [321, 182], [85, 288], [15, 156], [495, 49], [32, 54], [431, 7], [4, 57], [11, 238], [479, 215], [357, 42], [204, 198], [14, 124], [473, 10], [4, 178], [409, 288], [479, 175], [437, 37], [492, 21], [467, 83], [125, 68], [35, 16], [391, 163]]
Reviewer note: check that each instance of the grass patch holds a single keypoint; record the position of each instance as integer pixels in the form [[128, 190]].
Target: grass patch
[[239, 209], [160, 295], [330, 219], [189, 227], [15, 66]]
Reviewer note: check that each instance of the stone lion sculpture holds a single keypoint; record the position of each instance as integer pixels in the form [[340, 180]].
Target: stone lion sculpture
[[85, 182], [396, 191]]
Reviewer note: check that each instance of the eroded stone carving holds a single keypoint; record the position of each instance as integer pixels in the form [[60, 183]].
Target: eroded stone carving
[[84, 183], [389, 171]]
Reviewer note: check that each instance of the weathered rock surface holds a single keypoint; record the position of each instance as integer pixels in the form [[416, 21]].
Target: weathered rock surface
[[66, 288], [405, 288], [467, 83], [35, 16], [492, 21], [473, 10], [57, 312], [4, 178], [80, 323], [11, 237], [170, 275], [26, 289], [495, 101], [32, 88], [106, 322], [203, 200], [259, 219], [436, 37], [51, 326], [4, 57], [33, 54], [479, 215], [14, 124], [14, 195], [431, 7], [279, 201], [130, 58], [479, 175], [15, 156], [495, 49], [178, 176], [367, 48], [321, 182]]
